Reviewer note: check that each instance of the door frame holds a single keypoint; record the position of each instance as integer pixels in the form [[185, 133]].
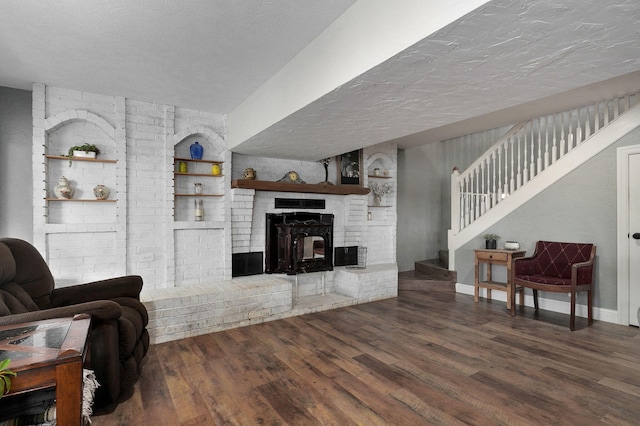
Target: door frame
[[623, 154]]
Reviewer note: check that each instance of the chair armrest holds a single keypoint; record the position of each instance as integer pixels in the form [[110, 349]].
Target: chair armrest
[[127, 286], [582, 272], [99, 310], [136, 305], [525, 265]]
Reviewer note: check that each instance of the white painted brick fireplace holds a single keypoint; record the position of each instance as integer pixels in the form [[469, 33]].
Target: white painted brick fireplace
[[144, 228]]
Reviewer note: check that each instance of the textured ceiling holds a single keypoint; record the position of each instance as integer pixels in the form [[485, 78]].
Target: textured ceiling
[[505, 54], [494, 66], [202, 54]]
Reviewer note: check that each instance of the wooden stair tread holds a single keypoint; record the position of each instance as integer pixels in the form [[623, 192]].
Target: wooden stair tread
[[421, 281]]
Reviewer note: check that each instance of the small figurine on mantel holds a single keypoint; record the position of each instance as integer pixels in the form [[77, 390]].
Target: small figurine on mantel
[[325, 162], [249, 173], [291, 177]]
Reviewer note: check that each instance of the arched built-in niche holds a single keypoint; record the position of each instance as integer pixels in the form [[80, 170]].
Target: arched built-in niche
[[203, 135], [74, 128], [207, 172], [380, 161], [62, 118]]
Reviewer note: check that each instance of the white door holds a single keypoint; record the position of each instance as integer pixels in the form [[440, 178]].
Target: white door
[[634, 238]]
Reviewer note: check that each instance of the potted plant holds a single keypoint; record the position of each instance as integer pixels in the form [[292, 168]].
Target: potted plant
[[491, 241], [5, 377], [86, 150]]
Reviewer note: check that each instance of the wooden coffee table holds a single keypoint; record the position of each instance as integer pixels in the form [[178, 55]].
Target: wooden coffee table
[[48, 354]]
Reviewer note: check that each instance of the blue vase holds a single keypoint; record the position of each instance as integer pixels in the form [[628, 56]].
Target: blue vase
[[196, 151]]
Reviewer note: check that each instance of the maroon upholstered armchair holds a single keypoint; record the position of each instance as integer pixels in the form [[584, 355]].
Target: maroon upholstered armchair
[[119, 338], [560, 268]]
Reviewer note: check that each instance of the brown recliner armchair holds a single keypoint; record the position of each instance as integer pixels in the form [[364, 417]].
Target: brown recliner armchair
[[119, 338]]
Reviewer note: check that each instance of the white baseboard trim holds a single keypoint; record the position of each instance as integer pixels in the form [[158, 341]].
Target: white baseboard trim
[[606, 315]]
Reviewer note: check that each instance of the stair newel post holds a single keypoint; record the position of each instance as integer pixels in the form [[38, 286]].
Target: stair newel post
[[455, 201]]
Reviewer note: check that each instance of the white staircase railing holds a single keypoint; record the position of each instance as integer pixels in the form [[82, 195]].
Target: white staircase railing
[[523, 153]]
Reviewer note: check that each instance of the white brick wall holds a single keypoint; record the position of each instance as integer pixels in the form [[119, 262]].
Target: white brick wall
[[186, 265], [81, 257], [373, 283], [199, 255]]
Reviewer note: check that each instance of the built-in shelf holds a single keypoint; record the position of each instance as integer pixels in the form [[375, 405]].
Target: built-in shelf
[[198, 161], [380, 176], [379, 206], [199, 195], [196, 174], [83, 200], [312, 188], [93, 160]]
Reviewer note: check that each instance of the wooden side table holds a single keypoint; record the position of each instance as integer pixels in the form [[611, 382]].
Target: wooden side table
[[500, 258], [49, 353]]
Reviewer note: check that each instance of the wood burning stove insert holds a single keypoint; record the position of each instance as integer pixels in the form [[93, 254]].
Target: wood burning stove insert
[[298, 242]]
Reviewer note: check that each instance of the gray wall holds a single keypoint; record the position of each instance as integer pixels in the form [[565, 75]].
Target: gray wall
[[581, 207], [424, 185], [419, 198], [16, 182]]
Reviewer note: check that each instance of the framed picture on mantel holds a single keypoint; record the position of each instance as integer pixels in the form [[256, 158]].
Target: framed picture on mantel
[[350, 168]]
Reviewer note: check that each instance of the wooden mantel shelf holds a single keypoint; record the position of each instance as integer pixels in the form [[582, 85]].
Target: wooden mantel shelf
[[314, 188]]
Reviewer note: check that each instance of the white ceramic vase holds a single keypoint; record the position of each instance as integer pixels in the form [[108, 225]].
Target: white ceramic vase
[[63, 190], [101, 192]]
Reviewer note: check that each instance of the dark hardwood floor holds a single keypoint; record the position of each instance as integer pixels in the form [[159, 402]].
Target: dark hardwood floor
[[423, 358]]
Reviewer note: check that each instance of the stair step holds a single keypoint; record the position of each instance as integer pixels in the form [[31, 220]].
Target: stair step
[[416, 280], [435, 270]]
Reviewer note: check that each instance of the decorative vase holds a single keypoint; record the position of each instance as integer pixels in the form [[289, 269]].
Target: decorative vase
[[182, 167], [215, 170], [101, 192], [197, 188], [377, 199], [63, 190], [196, 151], [199, 210]]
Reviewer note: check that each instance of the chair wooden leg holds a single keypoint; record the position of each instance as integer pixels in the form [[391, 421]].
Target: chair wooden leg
[[535, 298], [572, 319], [521, 296], [590, 306]]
